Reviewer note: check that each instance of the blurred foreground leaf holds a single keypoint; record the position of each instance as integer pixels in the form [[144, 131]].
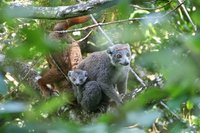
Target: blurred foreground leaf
[[3, 87], [12, 107]]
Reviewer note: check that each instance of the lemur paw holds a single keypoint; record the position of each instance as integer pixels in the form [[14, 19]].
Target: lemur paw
[[54, 93]]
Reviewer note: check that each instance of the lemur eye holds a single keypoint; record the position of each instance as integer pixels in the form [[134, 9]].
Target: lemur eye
[[119, 56], [86, 74], [127, 54], [81, 80], [74, 79]]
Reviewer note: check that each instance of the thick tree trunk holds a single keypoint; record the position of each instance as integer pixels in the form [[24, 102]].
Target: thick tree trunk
[[24, 73], [61, 12]]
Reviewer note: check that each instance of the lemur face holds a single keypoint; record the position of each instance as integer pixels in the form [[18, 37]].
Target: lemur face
[[78, 77], [120, 54]]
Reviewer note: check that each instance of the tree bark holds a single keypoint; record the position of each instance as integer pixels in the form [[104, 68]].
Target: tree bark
[[60, 12], [24, 73]]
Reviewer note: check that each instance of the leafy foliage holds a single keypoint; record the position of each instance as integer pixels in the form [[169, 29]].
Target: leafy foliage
[[164, 44]]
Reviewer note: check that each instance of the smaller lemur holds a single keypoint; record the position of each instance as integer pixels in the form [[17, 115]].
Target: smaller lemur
[[88, 94], [78, 79]]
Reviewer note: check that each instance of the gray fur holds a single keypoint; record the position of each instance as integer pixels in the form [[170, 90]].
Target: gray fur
[[91, 96], [109, 71]]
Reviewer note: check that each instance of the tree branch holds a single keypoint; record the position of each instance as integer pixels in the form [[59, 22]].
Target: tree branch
[[60, 12]]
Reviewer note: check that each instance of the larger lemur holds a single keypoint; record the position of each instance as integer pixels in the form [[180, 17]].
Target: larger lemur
[[109, 69], [60, 58]]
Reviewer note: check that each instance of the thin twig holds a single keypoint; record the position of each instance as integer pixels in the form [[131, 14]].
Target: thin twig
[[137, 77], [173, 113], [100, 24], [85, 37], [187, 15], [102, 31], [99, 27], [169, 12], [144, 8], [54, 61]]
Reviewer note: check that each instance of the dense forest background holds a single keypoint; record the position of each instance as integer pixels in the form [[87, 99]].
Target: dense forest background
[[165, 43]]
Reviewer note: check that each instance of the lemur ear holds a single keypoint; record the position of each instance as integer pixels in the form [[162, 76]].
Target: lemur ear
[[69, 73], [110, 50], [127, 45]]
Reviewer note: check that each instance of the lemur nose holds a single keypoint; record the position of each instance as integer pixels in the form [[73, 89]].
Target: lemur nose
[[126, 63], [78, 84]]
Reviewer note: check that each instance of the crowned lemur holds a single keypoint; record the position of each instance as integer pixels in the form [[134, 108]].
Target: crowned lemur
[[109, 70]]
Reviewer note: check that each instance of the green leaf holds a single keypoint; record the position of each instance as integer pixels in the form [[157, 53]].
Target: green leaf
[[47, 107], [152, 94], [192, 42], [124, 8], [139, 13], [189, 105], [12, 107], [147, 118], [98, 128]]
